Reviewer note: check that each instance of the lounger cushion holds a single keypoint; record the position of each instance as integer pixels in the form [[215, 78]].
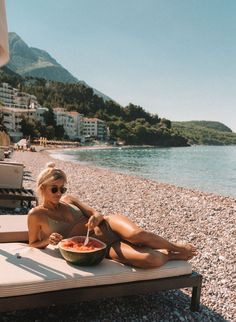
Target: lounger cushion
[[11, 175], [26, 270], [13, 228]]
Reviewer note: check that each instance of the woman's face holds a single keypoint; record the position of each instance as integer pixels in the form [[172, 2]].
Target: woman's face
[[54, 190]]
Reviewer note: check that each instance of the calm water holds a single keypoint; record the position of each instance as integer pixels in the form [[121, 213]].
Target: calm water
[[205, 168]]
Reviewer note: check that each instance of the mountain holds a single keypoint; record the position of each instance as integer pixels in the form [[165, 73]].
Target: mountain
[[130, 124], [218, 126], [7, 71], [205, 132], [29, 61]]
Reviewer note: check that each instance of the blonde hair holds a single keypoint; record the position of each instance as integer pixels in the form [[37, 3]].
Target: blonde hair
[[49, 174]]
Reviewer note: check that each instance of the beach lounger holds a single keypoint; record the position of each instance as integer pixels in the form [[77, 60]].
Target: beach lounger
[[12, 193], [13, 228], [31, 277]]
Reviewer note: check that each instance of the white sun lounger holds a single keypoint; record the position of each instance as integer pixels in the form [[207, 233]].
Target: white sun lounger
[[31, 277], [12, 192], [13, 228]]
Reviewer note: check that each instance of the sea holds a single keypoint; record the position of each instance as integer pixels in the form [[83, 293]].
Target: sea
[[205, 168]]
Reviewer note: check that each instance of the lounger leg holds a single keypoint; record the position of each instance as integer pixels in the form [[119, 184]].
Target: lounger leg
[[196, 293]]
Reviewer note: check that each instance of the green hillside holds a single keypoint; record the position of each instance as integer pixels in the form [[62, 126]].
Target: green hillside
[[130, 124], [207, 124], [205, 132]]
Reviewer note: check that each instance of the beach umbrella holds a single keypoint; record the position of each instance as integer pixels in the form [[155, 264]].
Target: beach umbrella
[[4, 49]]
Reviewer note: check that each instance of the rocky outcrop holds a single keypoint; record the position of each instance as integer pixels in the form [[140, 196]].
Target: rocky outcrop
[[29, 61]]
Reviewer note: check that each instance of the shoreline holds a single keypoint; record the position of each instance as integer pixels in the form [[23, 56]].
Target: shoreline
[[218, 189], [176, 213]]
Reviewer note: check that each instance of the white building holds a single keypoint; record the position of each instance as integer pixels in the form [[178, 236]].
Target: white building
[[12, 118], [12, 97], [6, 94], [16, 104], [94, 127], [40, 114], [71, 122]]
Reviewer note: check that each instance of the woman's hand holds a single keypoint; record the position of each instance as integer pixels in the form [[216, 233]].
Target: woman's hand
[[94, 221], [55, 238]]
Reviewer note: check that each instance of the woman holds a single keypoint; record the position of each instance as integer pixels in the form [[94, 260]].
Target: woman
[[57, 217]]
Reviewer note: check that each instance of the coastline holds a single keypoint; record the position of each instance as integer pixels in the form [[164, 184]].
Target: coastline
[[191, 168], [176, 213]]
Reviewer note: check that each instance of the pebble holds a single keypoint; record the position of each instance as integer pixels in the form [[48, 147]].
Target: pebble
[[175, 213]]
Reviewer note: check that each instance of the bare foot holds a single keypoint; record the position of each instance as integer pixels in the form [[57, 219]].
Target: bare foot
[[181, 256], [187, 250], [175, 255], [164, 251]]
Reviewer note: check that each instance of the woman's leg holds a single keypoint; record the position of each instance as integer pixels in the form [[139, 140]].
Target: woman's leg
[[132, 233], [142, 257]]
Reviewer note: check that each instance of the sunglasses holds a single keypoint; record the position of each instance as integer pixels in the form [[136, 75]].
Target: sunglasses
[[56, 189]]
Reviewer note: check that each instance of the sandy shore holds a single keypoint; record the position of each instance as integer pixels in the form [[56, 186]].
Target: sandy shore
[[178, 214]]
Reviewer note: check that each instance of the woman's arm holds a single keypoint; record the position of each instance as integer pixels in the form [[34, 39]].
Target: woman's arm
[[34, 229], [95, 218]]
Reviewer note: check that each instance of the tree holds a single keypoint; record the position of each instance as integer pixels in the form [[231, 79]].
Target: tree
[[59, 131], [29, 128], [49, 117], [141, 134], [2, 125], [165, 123], [50, 132]]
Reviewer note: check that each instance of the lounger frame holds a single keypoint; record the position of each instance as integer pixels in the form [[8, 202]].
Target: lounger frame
[[69, 296], [11, 186], [21, 194]]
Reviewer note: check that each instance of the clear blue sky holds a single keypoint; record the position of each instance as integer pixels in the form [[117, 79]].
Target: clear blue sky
[[176, 58]]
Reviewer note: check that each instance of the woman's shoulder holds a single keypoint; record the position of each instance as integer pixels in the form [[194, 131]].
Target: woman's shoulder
[[68, 199], [70, 207], [38, 211]]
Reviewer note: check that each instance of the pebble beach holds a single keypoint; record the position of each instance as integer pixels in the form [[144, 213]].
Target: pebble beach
[[175, 213]]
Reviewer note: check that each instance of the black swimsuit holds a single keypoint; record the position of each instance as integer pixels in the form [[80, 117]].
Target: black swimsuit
[[102, 232]]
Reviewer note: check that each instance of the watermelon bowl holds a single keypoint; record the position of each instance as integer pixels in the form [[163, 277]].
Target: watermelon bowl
[[74, 252]]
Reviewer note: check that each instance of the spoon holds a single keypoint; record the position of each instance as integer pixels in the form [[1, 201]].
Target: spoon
[[87, 238]]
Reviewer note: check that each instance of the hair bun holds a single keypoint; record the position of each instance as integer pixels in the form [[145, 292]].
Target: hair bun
[[50, 165]]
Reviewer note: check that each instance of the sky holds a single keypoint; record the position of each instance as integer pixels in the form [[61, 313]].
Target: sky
[[175, 58]]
